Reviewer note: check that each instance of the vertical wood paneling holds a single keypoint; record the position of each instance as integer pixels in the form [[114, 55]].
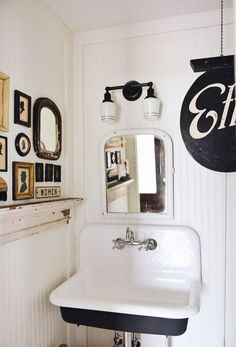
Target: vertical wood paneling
[[29, 270], [199, 194], [36, 53]]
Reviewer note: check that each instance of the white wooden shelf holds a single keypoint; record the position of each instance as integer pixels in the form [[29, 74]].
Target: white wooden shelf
[[118, 190], [21, 220]]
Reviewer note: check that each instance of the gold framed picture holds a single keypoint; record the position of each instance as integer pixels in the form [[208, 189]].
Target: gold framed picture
[[23, 180], [4, 102]]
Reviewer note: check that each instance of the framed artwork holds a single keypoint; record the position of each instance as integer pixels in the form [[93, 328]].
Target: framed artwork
[[23, 180], [113, 157], [3, 153], [4, 102], [108, 159], [48, 172], [22, 109], [57, 173], [22, 144], [39, 172], [126, 163], [118, 157], [3, 189]]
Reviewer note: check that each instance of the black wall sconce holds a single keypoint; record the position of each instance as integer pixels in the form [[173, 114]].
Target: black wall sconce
[[132, 91]]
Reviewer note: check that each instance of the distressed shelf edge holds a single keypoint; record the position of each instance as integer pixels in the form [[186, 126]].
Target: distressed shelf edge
[[40, 204], [22, 220]]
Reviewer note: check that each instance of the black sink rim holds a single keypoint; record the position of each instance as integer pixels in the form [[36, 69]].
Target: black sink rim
[[125, 322]]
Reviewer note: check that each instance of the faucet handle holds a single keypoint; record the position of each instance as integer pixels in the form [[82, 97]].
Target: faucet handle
[[118, 243]]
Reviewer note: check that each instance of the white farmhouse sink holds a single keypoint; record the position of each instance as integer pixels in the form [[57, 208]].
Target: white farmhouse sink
[[114, 288]]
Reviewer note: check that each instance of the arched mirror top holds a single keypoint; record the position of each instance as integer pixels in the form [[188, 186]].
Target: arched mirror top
[[47, 129], [137, 174]]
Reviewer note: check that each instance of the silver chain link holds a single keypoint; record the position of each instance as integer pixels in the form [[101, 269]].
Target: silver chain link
[[221, 26]]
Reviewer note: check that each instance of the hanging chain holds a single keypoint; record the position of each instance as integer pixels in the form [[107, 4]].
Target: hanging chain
[[221, 26]]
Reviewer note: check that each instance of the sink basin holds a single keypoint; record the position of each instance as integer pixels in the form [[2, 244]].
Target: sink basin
[[152, 291]]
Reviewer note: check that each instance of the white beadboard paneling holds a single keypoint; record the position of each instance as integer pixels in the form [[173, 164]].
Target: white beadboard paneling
[[230, 261], [161, 54], [36, 52], [29, 270]]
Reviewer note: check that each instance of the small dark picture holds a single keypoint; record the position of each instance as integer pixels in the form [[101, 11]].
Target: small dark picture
[[22, 144], [113, 157], [23, 187], [39, 174], [48, 172], [108, 159], [22, 109], [57, 173], [3, 153], [118, 157]]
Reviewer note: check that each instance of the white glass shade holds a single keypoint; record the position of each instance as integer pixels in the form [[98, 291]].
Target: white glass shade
[[151, 108], [107, 111]]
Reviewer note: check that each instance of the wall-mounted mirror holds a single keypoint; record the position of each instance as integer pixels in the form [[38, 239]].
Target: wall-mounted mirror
[[138, 173], [47, 129]]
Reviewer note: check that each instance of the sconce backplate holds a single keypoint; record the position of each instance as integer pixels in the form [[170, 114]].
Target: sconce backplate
[[132, 90]]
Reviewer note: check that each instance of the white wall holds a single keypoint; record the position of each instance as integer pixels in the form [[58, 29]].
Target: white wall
[[157, 51], [36, 52]]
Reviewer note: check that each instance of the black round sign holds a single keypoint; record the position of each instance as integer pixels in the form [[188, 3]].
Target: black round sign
[[208, 120]]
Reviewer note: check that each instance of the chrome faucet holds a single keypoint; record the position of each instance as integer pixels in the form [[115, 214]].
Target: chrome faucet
[[120, 243]]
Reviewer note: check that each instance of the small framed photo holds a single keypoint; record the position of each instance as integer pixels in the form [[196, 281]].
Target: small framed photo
[[108, 159], [118, 157], [48, 172], [23, 180], [39, 172], [3, 189], [22, 144], [4, 101], [113, 157], [57, 173], [22, 109], [3, 153]]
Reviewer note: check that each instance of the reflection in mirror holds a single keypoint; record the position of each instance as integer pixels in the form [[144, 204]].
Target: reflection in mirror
[[136, 174], [47, 129]]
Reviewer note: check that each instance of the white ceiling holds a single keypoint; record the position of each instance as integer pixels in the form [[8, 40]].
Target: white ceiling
[[85, 15]]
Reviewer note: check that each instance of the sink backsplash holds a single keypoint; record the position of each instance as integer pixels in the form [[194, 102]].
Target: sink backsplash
[[178, 249]]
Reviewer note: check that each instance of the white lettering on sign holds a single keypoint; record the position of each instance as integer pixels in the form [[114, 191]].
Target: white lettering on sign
[[193, 129]]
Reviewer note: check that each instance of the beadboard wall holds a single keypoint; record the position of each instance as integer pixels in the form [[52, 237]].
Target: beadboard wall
[[36, 52], [159, 51]]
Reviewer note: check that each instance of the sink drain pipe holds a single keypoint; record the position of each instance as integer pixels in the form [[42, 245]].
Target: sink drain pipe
[[117, 339]]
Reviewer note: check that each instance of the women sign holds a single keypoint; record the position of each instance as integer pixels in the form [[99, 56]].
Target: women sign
[[208, 120]]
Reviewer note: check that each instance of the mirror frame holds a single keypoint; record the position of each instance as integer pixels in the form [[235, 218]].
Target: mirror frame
[[41, 153], [169, 211]]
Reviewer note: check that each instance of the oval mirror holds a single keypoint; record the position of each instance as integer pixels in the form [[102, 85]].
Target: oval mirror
[[138, 173], [47, 129]]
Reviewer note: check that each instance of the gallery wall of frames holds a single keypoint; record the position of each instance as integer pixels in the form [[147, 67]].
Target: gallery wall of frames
[[31, 179]]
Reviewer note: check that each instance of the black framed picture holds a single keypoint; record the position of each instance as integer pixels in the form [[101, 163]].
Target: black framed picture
[[39, 172], [22, 144], [57, 173], [48, 172], [22, 108], [118, 157], [113, 157], [108, 159], [3, 153]]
